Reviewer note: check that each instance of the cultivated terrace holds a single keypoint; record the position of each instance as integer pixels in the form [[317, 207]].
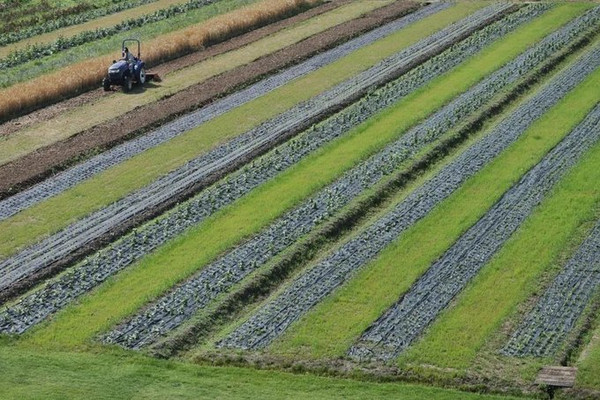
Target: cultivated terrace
[[299, 199]]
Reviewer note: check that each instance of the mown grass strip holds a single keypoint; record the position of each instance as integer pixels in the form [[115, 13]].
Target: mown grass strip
[[29, 374], [331, 328], [108, 107], [50, 216], [588, 374], [513, 275], [108, 20], [183, 256]]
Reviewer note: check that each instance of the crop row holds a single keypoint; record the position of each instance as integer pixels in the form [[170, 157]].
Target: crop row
[[43, 11], [20, 11], [13, 8], [61, 19], [231, 154], [556, 313], [95, 269], [182, 303], [37, 51], [407, 319], [271, 320], [67, 179]]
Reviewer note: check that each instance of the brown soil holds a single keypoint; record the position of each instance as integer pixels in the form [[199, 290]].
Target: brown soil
[[36, 166]]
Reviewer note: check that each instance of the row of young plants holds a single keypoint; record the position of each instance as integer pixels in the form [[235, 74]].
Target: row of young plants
[[179, 305], [38, 51], [16, 19], [232, 154], [22, 19], [275, 316], [59, 183], [557, 312], [16, 10], [398, 327], [8, 4], [60, 18], [61, 291]]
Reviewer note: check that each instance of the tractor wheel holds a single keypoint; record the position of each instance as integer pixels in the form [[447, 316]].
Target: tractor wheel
[[106, 84], [142, 79], [127, 84]]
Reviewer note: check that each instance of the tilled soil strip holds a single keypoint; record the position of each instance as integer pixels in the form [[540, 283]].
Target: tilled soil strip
[[88, 234], [33, 167], [407, 319], [272, 320], [57, 294], [69, 178], [557, 312]]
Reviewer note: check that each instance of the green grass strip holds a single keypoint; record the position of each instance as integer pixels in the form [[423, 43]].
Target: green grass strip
[[332, 327], [103, 189], [183, 256], [588, 373], [31, 374], [513, 275]]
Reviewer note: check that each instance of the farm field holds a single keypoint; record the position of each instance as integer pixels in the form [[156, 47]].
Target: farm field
[[314, 198]]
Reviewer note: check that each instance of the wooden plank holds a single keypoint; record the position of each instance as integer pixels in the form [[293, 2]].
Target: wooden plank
[[557, 376]]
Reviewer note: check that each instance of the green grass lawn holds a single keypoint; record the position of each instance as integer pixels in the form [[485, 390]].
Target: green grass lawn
[[331, 328], [50, 216], [150, 277], [29, 374]]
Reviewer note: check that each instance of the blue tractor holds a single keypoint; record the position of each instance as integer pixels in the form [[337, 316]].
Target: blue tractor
[[128, 70]]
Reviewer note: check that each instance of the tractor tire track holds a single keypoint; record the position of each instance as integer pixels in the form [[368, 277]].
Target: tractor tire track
[[271, 320], [94, 270], [71, 177]]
